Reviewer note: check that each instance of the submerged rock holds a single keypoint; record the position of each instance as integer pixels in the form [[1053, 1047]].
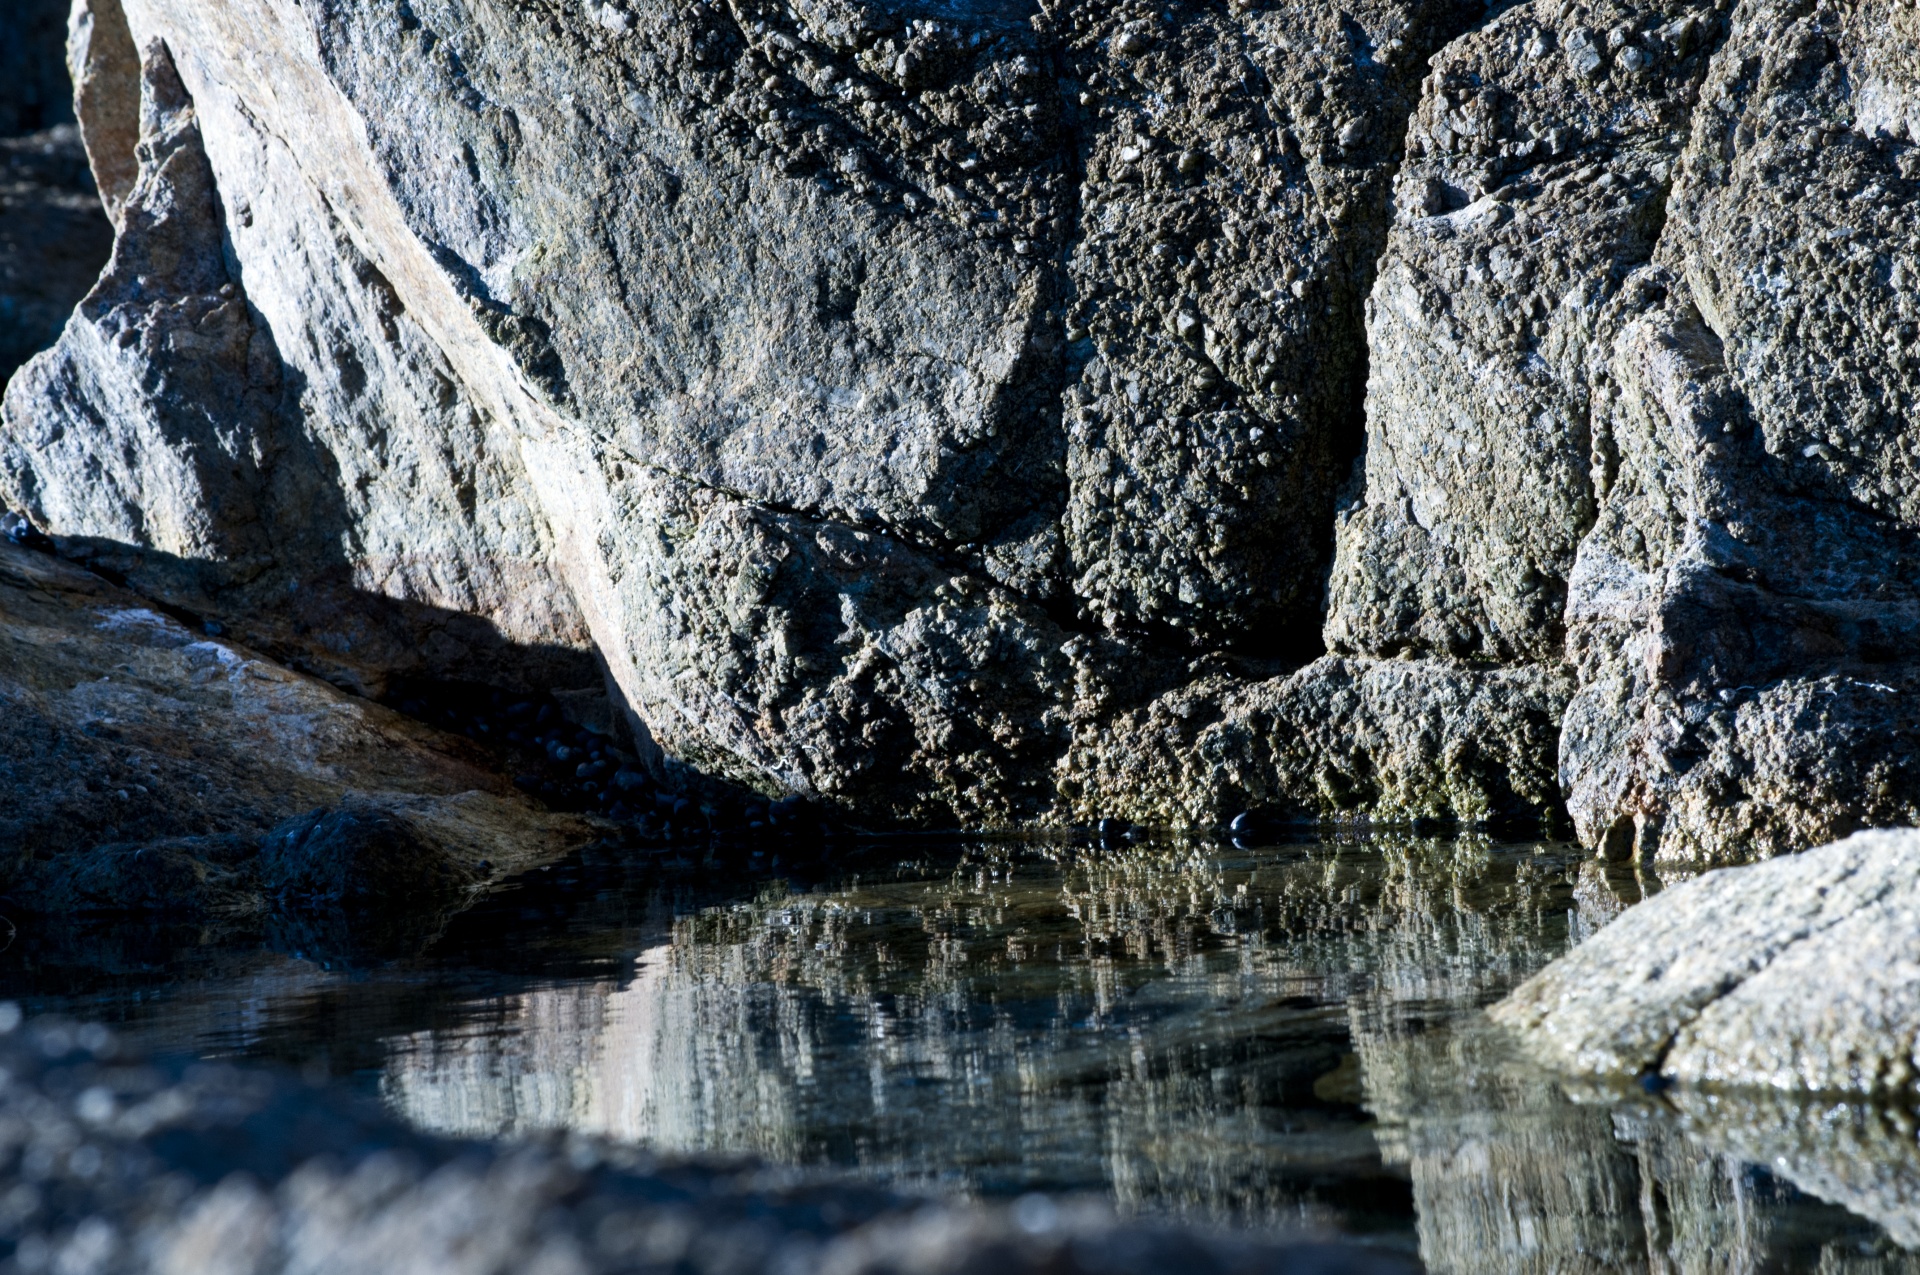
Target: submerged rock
[[144, 765], [1802, 973]]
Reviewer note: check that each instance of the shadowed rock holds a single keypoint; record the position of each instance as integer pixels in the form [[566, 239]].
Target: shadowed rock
[[145, 764]]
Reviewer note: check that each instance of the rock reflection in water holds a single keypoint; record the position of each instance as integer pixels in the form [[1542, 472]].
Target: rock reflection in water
[[1191, 1032], [1512, 1173], [1281, 1035]]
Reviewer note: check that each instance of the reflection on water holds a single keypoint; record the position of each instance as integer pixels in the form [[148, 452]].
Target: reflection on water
[[1276, 1036]]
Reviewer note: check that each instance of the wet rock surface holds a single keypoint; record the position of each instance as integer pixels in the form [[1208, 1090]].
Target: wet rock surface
[[1791, 975], [127, 1164]]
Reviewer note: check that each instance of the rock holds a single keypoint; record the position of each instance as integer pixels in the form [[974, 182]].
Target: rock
[[1594, 429], [144, 766], [142, 1166], [215, 492], [419, 428], [1742, 613], [1006, 385], [1341, 739], [1202, 465], [1528, 197], [403, 853], [103, 62], [1795, 974]]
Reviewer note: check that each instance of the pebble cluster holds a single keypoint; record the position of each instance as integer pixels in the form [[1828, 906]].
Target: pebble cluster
[[569, 766]]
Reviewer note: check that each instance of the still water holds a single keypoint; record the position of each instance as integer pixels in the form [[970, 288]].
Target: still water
[[1272, 1036]]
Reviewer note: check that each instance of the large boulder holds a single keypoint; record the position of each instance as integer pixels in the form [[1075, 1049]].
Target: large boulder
[[959, 420], [884, 400]]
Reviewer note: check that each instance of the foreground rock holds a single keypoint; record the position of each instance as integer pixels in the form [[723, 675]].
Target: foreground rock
[[955, 421], [143, 764], [126, 1166], [1798, 974]]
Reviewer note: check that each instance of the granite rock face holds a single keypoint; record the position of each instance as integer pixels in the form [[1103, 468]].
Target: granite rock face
[[149, 766], [1640, 405], [1788, 975], [993, 412]]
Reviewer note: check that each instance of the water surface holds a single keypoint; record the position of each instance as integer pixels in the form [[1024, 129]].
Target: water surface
[[1273, 1036]]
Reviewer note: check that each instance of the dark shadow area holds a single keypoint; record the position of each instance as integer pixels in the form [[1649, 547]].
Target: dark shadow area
[[35, 92], [54, 235]]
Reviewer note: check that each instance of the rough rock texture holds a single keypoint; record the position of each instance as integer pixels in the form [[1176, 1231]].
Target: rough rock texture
[[953, 415], [1743, 614], [1395, 739], [145, 765], [1640, 393], [293, 486], [121, 1165], [1796, 974]]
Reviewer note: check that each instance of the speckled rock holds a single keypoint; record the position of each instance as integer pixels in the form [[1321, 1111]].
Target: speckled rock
[[1623, 414], [822, 507], [337, 499], [1743, 613], [957, 420], [1343, 738], [145, 765], [1795, 974]]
